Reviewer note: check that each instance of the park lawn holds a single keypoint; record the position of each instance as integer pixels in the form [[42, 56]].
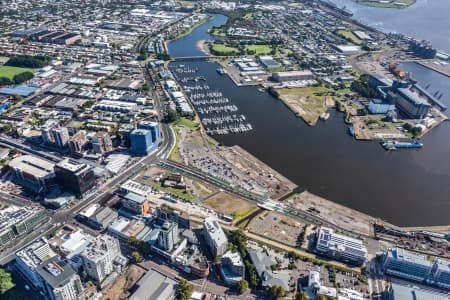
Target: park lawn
[[192, 124], [259, 49], [248, 16], [350, 36], [10, 72], [226, 50], [175, 152]]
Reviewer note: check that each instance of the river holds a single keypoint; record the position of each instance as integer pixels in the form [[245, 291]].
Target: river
[[405, 187]]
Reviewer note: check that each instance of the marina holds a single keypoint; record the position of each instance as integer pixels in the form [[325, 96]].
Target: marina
[[218, 115]]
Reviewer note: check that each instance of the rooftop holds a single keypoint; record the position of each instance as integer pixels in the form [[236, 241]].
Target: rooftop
[[215, 231], [154, 286], [56, 272], [33, 165]]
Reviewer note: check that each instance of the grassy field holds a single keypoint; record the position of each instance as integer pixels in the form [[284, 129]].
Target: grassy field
[[349, 36], [248, 16], [217, 31], [259, 49], [392, 4], [226, 50], [185, 194], [307, 102], [9, 72], [192, 124]]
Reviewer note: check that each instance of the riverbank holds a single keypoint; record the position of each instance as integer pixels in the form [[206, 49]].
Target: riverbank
[[190, 29]]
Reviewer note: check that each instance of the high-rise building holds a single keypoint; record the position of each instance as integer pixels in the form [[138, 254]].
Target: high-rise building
[[98, 258], [53, 134], [154, 128], [75, 176], [340, 247], [141, 142], [168, 236], [215, 237], [77, 141], [29, 258], [59, 280], [232, 268], [102, 143]]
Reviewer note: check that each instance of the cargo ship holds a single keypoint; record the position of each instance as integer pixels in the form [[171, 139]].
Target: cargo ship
[[394, 145]]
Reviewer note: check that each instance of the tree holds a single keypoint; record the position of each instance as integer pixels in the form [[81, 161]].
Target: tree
[[6, 282], [22, 77], [137, 257], [321, 297], [243, 286], [276, 292], [301, 296], [185, 290]]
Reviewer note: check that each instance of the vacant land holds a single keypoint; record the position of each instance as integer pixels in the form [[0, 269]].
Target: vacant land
[[119, 289], [10, 72], [277, 227], [308, 102], [349, 36], [387, 4], [259, 49], [230, 205]]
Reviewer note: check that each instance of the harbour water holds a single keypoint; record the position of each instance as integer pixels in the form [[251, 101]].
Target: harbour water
[[404, 187], [426, 19]]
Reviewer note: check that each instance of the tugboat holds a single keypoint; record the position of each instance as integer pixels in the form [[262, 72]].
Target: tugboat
[[221, 71]]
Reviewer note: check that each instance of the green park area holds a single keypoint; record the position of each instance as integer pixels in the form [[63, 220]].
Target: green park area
[[10, 72], [349, 36], [259, 49], [223, 50]]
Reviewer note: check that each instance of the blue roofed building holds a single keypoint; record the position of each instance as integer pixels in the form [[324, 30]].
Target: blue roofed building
[[21, 90]]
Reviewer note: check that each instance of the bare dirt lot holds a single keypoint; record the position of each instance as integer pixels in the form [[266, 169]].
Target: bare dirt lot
[[277, 227], [230, 205], [119, 289], [341, 216]]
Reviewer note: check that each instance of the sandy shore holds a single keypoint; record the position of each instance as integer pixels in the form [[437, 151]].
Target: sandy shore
[[203, 46]]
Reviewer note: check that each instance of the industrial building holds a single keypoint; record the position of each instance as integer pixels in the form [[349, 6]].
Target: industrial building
[[410, 99], [417, 267], [75, 176], [215, 237], [232, 268], [97, 216], [154, 286], [136, 204], [269, 62], [33, 173], [100, 256], [340, 247], [292, 76], [131, 186]]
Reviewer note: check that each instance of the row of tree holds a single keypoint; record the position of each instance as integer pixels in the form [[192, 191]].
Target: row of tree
[[17, 79], [28, 61]]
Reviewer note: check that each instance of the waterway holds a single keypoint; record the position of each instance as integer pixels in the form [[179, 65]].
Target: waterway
[[405, 187], [426, 19]]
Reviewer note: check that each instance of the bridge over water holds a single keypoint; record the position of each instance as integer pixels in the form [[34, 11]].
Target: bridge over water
[[203, 57]]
